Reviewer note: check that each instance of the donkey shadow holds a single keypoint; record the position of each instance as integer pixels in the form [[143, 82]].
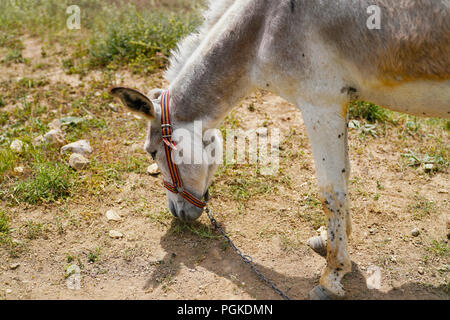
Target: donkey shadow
[[190, 250]]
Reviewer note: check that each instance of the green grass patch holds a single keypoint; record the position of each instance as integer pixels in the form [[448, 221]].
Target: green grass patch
[[49, 182], [4, 223], [367, 111], [439, 248], [141, 40]]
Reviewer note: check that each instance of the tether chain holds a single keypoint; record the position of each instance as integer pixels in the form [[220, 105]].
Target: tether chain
[[246, 258]]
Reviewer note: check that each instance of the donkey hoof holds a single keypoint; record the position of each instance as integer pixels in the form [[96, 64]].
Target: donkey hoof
[[318, 245], [320, 293]]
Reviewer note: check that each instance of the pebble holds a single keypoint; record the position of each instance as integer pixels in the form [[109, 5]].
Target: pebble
[[14, 266], [115, 234], [113, 107], [415, 232], [420, 270], [17, 146], [54, 136], [8, 291], [55, 124], [38, 141], [153, 169], [78, 162], [18, 169], [373, 280], [82, 147], [112, 215]]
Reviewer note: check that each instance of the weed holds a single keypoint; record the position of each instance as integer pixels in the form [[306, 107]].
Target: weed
[[4, 223], [195, 228], [50, 182], [367, 111], [439, 248], [94, 255], [33, 230], [421, 208]]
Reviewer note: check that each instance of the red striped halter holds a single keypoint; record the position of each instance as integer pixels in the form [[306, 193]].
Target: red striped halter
[[166, 131]]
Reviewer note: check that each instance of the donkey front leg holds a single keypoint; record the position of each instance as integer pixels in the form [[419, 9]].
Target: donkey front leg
[[327, 131]]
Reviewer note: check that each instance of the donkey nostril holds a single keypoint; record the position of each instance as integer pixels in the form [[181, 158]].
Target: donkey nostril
[[182, 215], [172, 209]]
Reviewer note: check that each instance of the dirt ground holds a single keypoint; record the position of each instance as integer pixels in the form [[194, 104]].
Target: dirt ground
[[161, 258]]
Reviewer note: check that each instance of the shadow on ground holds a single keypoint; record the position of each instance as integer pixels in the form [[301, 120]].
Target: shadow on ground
[[192, 251]]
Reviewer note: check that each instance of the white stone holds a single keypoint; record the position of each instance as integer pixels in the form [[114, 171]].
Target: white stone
[[415, 232], [113, 215], [54, 136], [373, 280], [38, 141], [17, 146], [55, 124], [153, 169], [18, 169], [78, 162], [73, 281], [113, 107], [115, 234], [14, 266], [82, 147]]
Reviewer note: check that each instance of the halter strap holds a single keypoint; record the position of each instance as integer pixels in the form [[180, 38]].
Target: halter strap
[[166, 131]]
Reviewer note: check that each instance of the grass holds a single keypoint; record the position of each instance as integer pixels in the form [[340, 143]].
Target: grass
[[367, 111], [113, 34], [439, 248], [4, 224], [421, 208], [49, 182]]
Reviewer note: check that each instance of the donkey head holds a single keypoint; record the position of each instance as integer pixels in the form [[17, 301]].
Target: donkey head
[[197, 175]]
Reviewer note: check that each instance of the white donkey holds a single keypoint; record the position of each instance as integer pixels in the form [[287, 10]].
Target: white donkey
[[319, 55]]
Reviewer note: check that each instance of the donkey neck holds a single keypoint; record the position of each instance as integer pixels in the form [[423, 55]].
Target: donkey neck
[[217, 75]]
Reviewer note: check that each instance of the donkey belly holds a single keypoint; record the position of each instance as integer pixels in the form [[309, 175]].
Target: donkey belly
[[421, 98]]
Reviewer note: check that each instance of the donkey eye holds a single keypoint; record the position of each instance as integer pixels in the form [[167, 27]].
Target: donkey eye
[[153, 155]]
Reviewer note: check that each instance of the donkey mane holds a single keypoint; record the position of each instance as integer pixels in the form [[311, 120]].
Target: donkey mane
[[188, 45]]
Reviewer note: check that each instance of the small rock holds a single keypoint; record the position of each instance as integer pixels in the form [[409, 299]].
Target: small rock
[[14, 266], [113, 107], [55, 124], [415, 232], [153, 169], [78, 162], [115, 234], [73, 274], [54, 136], [112, 215], [82, 147], [374, 277], [17, 146], [18, 169], [8, 291], [38, 141], [420, 270]]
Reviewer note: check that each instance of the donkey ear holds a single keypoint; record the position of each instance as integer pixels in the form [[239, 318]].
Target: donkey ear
[[134, 100]]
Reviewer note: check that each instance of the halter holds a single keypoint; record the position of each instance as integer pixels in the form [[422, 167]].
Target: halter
[[166, 131]]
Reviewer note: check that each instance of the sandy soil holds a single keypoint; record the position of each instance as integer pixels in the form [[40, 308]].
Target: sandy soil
[[155, 260]]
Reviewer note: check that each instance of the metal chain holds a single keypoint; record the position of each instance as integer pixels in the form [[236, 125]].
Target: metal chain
[[246, 258]]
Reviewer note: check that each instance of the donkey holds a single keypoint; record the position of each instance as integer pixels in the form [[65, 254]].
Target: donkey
[[318, 55]]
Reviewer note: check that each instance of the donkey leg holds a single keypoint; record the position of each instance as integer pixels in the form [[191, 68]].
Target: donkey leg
[[327, 131]]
